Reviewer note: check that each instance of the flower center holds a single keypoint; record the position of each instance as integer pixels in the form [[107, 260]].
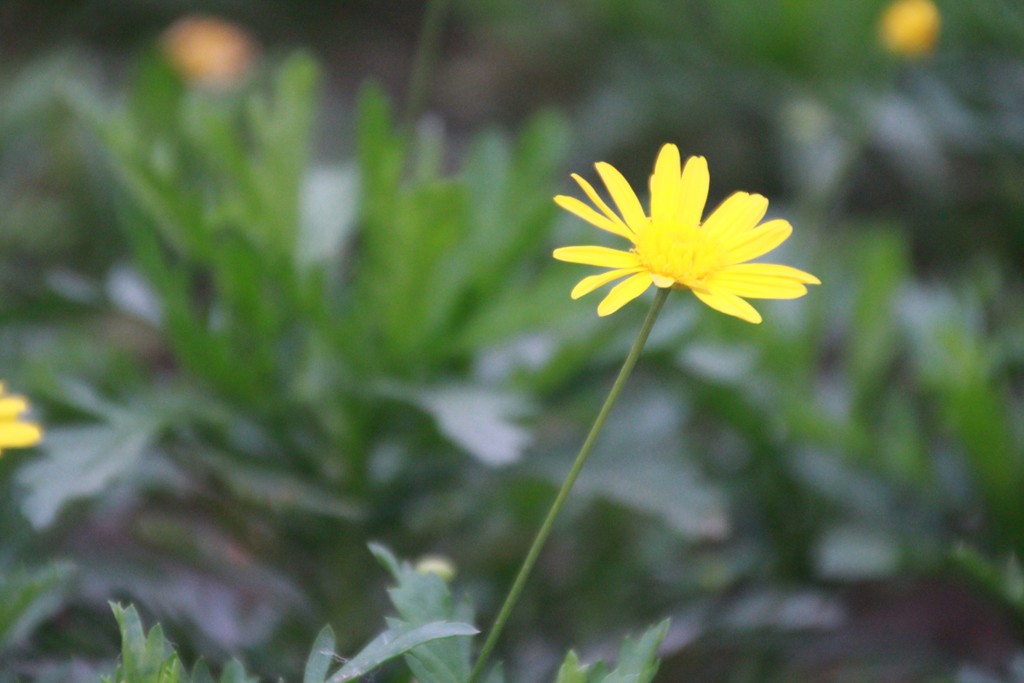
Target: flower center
[[678, 252]]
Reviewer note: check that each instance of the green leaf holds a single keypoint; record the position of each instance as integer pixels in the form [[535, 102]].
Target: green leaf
[[511, 194], [395, 642], [409, 272], [320, 658], [388, 559], [234, 672], [329, 209], [483, 422], [571, 670], [281, 129], [637, 661], [955, 362], [884, 267], [597, 672], [420, 598], [27, 597], [381, 152], [429, 667], [151, 659], [143, 659], [1006, 582], [156, 92], [81, 462]]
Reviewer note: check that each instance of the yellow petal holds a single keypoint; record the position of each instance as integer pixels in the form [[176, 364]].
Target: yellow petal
[[772, 269], [665, 186], [11, 407], [599, 203], [625, 198], [588, 214], [662, 281], [19, 434], [589, 284], [756, 242], [695, 285], [736, 215], [757, 286], [623, 293], [730, 304], [694, 191], [597, 256]]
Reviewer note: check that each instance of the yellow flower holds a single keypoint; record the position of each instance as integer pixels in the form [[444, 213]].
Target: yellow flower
[[672, 248], [15, 433], [209, 52], [910, 28]]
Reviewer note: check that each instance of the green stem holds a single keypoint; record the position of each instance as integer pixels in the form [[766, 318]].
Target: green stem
[[423, 62], [563, 493]]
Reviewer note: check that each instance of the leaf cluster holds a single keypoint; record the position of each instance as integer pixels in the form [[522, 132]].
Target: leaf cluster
[[435, 648]]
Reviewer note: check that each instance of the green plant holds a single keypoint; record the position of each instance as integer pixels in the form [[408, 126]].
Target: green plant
[[427, 634]]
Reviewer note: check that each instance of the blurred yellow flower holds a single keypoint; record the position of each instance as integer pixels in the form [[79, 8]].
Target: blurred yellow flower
[[910, 28], [209, 52], [672, 248], [15, 433]]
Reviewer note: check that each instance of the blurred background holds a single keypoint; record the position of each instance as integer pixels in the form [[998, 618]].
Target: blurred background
[[273, 296]]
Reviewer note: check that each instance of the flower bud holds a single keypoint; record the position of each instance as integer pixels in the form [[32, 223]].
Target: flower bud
[[436, 564]]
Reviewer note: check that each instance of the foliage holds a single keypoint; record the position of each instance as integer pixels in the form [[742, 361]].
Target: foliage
[[149, 658], [265, 324], [435, 650], [27, 598]]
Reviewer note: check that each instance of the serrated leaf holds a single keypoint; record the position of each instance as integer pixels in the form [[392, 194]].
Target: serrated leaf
[[481, 421], [395, 642], [80, 462], [151, 659], [421, 598], [418, 598], [598, 672], [320, 658], [571, 670], [637, 661], [27, 597], [142, 657]]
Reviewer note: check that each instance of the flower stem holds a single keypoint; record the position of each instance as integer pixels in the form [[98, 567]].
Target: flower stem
[[563, 493], [423, 62]]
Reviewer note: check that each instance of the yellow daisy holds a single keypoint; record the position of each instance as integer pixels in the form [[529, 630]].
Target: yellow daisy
[[672, 248], [15, 433]]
